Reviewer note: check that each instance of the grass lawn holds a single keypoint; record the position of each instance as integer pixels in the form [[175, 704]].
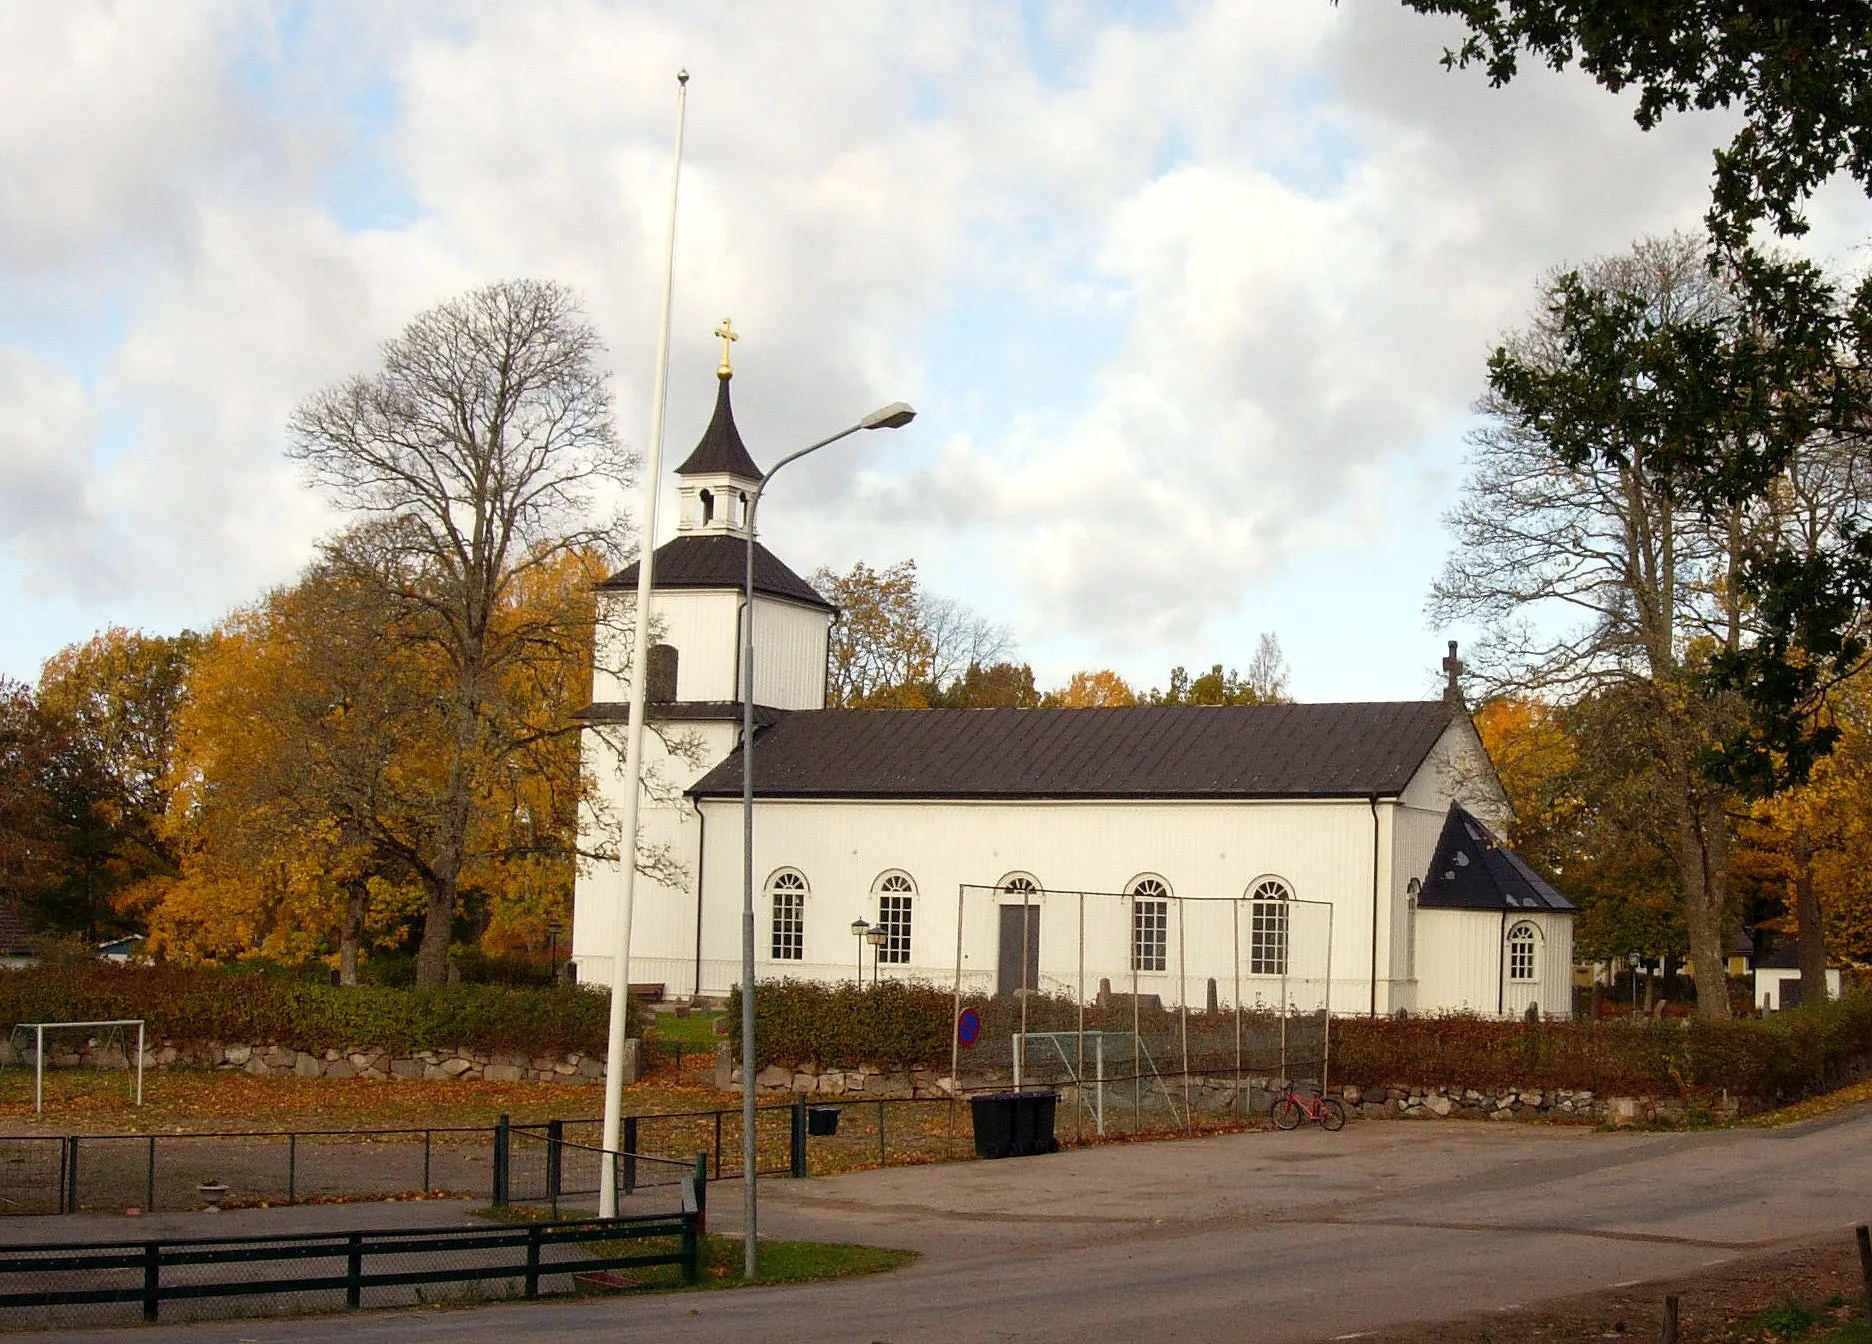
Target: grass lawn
[[780, 1261], [693, 1034], [1833, 1322], [179, 1100]]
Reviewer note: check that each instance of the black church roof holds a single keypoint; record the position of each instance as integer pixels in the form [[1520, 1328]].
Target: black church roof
[[1472, 870], [1133, 751], [721, 449], [717, 560]]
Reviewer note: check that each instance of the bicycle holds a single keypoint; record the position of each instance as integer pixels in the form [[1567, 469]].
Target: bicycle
[[1290, 1107]]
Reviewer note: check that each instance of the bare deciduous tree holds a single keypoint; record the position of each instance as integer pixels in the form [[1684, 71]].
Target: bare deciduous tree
[[1599, 576], [479, 448]]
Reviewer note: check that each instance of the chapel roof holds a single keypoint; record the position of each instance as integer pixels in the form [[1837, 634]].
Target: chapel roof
[[1785, 956], [1133, 751], [1473, 870], [718, 560], [721, 449]]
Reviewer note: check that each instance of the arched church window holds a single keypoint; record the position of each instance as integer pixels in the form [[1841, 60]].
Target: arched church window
[[786, 890], [1150, 924], [896, 894], [660, 674], [1411, 892], [1019, 886], [708, 506], [1523, 944], [1268, 926]]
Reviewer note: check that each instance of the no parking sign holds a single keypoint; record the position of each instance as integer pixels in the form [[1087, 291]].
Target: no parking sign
[[968, 1026]]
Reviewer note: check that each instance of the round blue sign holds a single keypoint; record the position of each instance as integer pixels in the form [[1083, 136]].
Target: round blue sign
[[968, 1026]]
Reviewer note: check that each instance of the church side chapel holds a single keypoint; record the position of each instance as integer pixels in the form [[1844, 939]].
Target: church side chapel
[[1298, 854]]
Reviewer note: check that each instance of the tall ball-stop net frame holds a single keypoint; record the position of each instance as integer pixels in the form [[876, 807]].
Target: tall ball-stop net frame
[[1148, 1010]]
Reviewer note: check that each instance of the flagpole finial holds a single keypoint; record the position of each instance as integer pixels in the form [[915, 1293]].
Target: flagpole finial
[[728, 334]]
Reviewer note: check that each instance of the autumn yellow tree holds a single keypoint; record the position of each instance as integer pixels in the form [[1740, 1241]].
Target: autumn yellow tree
[[1096, 689], [897, 646], [314, 750], [106, 710]]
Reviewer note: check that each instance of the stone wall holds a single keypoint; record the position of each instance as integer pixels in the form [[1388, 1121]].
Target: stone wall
[[1433, 1103], [266, 1060], [1248, 1096]]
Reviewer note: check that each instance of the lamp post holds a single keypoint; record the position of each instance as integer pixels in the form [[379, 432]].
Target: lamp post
[[553, 929], [875, 936], [859, 929], [894, 416]]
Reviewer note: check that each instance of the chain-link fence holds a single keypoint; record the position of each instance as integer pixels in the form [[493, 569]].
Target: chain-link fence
[[1148, 1011]]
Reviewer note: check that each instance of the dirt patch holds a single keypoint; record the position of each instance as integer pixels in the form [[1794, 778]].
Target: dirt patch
[[1715, 1304]]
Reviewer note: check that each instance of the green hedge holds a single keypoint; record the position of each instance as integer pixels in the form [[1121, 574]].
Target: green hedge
[[204, 1004], [907, 1025]]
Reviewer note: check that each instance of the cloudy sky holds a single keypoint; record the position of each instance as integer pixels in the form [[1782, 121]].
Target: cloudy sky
[[1193, 299]]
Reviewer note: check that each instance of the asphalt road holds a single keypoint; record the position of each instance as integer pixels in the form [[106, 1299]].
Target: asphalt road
[[1262, 1236]]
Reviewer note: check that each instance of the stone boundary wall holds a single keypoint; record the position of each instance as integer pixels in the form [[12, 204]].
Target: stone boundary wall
[[276, 1061], [1248, 1096], [1532, 1103]]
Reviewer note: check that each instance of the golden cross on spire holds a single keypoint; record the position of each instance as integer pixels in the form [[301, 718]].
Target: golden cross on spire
[[727, 333]]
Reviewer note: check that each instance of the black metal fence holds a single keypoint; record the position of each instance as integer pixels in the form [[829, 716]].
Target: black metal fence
[[64, 1174], [108, 1281], [540, 1163]]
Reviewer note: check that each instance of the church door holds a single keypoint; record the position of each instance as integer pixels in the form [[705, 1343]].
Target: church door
[[1008, 980]]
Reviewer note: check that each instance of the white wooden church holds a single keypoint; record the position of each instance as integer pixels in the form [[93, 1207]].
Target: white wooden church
[[1262, 854]]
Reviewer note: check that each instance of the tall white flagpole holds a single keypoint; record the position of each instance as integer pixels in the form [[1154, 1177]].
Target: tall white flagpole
[[634, 731]]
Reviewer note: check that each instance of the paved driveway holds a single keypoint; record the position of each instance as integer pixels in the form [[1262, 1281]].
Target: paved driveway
[[1262, 1236]]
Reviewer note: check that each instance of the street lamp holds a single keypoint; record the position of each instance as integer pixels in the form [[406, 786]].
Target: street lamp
[[894, 416], [876, 936], [553, 930], [859, 929]]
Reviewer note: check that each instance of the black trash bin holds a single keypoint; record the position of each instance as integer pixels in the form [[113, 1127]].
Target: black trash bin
[[822, 1120], [1014, 1124]]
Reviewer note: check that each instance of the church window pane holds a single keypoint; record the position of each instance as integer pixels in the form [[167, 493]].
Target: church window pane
[[1267, 927], [1020, 886], [895, 895], [1521, 944], [1150, 925], [788, 894]]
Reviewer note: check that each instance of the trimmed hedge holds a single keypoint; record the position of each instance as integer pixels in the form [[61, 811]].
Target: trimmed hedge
[[198, 1004], [901, 1025]]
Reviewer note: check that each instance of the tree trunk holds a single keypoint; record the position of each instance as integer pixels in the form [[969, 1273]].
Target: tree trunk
[[1699, 844], [438, 931], [357, 897], [1811, 934], [1702, 854]]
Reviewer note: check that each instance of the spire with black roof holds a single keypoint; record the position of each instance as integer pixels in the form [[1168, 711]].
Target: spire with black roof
[[715, 483], [719, 477]]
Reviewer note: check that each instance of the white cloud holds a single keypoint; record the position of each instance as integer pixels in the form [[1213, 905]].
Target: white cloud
[[1272, 243], [45, 441]]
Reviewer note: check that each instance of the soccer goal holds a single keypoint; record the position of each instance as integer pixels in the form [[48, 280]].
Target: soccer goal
[[69, 1042]]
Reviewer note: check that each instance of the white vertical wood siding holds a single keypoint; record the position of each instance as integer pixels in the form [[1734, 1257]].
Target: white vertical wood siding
[[663, 917], [1462, 962], [703, 625], [1322, 850]]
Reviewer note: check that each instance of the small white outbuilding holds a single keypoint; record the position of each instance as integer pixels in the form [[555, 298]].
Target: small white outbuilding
[[1245, 853]]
